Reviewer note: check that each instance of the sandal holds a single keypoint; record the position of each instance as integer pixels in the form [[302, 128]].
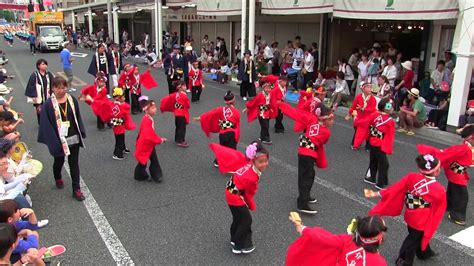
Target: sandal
[[401, 130], [410, 133]]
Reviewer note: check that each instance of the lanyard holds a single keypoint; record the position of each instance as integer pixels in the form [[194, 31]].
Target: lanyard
[[64, 111]]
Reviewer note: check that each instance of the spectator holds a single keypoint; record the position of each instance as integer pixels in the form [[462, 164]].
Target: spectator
[[413, 115], [308, 67], [468, 117], [32, 41], [276, 59], [247, 74], [315, 54], [354, 59], [438, 118], [341, 92], [9, 239], [173, 65], [238, 50], [347, 71], [267, 56], [363, 69], [66, 60], [398, 65], [124, 36], [390, 71], [401, 89], [438, 76], [206, 43], [9, 125], [320, 81], [425, 88], [448, 57], [385, 90]]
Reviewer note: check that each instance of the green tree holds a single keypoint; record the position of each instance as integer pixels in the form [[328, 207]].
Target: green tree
[[7, 15]]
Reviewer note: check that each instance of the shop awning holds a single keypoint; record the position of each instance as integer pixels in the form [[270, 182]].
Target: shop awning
[[296, 7], [219, 7], [179, 3], [396, 9]]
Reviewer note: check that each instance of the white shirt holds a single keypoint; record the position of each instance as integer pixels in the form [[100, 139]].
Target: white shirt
[[309, 62], [363, 68], [391, 73], [347, 70], [297, 57], [341, 86], [267, 52]]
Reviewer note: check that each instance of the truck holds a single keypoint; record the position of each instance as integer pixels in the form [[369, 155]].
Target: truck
[[48, 29]]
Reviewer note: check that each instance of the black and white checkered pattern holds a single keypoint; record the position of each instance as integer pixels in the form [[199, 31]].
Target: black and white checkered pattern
[[226, 124], [374, 132], [414, 202], [305, 142], [263, 108], [457, 168], [116, 121], [230, 186], [178, 106]]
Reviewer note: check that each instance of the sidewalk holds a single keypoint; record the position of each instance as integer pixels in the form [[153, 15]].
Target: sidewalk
[[436, 135]]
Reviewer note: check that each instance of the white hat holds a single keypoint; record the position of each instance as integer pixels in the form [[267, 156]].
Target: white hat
[[414, 92], [4, 89], [407, 65], [189, 48]]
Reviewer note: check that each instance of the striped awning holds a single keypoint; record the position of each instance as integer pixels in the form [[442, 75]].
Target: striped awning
[[296, 7], [396, 9]]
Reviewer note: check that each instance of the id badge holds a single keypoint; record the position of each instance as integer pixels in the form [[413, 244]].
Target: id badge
[[64, 128]]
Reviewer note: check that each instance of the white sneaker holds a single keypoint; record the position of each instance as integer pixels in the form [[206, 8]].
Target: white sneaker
[[109, 97], [244, 98], [188, 91], [28, 198], [72, 89], [42, 223]]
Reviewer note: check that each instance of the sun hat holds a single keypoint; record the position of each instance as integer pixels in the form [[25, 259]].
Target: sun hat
[[4, 89], [407, 65], [414, 92]]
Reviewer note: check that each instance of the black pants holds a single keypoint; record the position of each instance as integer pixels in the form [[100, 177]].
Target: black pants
[[457, 199], [36, 110], [134, 105], [119, 145], [73, 161], [306, 175], [127, 95], [196, 93], [155, 169], [100, 124], [378, 164], [228, 140], [308, 77], [412, 246], [264, 129], [171, 87], [241, 228], [32, 48], [279, 128], [247, 89], [180, 132], [367, 144], [349, 84]]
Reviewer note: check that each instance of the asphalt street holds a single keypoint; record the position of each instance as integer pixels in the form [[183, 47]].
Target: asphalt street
[[185, 219]]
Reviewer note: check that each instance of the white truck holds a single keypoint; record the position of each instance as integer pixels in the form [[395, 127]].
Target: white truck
[[47, 27]]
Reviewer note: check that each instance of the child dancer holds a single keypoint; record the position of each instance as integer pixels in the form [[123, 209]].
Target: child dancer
[[146, 141], [195, 82], [126, 81], [382, 134], [363, 106], [425, 201], [310, 150], [279, 92], [223, 120], [241, 189], [264, 107], [120, 121], [96, 92], [358, 247], [455, 160], [313, 101], [179, 104]]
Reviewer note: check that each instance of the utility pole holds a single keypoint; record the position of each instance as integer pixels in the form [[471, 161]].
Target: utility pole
[[109, 19], [158, 27]]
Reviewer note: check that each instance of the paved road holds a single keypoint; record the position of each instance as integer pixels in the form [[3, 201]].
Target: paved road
[[185, 219]]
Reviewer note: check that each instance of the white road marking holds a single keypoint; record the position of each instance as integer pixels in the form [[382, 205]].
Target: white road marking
[[106, 232], [78, 54], [465, 237]]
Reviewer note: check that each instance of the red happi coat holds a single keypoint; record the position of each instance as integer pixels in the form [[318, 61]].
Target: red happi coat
[[423, 219], [122, 111], [278, 93], [128, 80], [170, 102], [460, 155], [211, 119], [229, 160], [317, 246], [147, 140], [260, 100], [313, 130], [363, 113], [195, 78], [95, 93], [382, 122]]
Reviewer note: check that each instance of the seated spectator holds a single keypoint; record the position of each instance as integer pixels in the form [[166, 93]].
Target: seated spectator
[[425, 88], [14, 189], [438, 118], [8, 125], [224, 73], [9, 239], [385, 90], [413, 115], [468, 117], [320, 81], [341, 92]]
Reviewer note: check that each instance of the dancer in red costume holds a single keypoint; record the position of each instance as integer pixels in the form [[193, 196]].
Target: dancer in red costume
[[316, 246], [455, 160], [223, 120], [315, 133], [195, 82], [363, 106], [263, 106], [178, 103], [241, 189], [96, 92], [146, 141], [279, 92], [380, 128], [425, 201]]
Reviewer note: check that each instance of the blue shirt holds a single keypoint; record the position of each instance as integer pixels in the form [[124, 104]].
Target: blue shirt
[[32, 39], [66, 59]]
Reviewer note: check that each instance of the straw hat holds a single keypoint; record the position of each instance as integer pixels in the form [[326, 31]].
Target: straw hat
[[4, 89], [414, 92], [407, 65]]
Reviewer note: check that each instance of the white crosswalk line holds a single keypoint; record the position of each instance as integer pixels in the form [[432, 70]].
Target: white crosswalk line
[[465, 237]]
